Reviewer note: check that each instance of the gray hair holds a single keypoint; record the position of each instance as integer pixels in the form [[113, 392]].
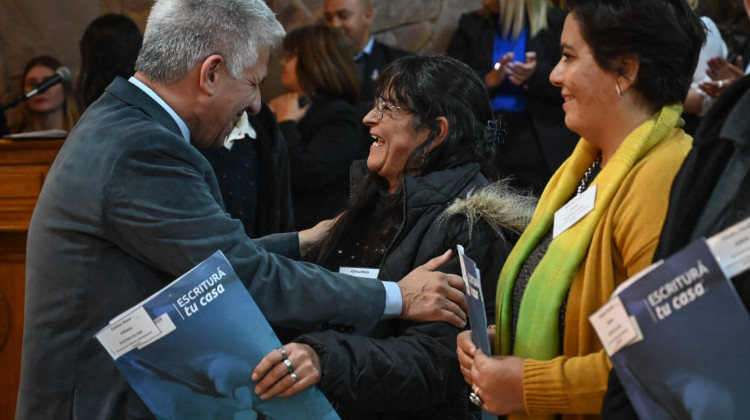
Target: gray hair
[[182, 33]]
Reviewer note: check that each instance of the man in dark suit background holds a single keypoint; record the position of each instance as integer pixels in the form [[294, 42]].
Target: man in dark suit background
[[130, 204], [353, 18]]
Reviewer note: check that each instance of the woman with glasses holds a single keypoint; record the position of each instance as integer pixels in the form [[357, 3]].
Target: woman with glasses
[[422, 191], [317, 117]]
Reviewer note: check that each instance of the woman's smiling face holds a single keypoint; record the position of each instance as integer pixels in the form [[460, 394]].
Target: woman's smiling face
[[588, 90], [394, 139]]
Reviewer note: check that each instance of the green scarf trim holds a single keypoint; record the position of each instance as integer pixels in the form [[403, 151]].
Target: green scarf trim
[[537, 332]]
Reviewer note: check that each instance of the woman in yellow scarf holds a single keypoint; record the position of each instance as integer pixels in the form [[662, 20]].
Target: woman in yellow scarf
[[626, 68]]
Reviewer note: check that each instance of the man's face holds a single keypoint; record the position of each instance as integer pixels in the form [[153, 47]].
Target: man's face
[[231, 98], [351, 18]]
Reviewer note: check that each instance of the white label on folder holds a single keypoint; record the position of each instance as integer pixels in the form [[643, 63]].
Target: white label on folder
[[127, 333], [574, 210], [369, 273], [164, 324], [731, 247], [614, 327]]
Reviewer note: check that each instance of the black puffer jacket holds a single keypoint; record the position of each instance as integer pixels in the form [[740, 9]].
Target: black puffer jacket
[[410, 370]]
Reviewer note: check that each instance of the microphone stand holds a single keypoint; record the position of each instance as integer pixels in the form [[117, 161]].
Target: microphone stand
[[15, 101]]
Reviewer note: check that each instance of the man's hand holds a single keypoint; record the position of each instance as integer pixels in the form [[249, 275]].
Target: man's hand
[[430, 295]]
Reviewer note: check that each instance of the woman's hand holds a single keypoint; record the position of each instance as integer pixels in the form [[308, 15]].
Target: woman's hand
[[286, 107], [520, 73], [310, 239], [498, 72], [723, 74], [275, 377], [466, 351], [498, 381]]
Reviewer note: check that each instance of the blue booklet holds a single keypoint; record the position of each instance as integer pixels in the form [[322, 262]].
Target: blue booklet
[[475, 302], [189, 350], [678, 337]]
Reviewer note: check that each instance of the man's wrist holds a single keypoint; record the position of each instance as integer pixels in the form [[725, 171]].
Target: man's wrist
[[393, 300]]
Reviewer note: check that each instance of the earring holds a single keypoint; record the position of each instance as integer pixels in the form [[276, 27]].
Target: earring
[[619, 91], [423, 156]]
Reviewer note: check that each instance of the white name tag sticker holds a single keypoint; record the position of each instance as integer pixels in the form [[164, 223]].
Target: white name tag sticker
[[165, 325], [574, 210], [370, 273], [614, 327], [128, 333], [731, 247]]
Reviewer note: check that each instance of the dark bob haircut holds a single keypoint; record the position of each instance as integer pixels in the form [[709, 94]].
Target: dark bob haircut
[[664, 35], [435, 85]]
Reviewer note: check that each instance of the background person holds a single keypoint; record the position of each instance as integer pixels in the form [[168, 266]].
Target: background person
[[318, 121], [55, 108], [422, 192], [252, 169], [513, 45], [625, 71], [354, 19], [130, 204], [109, 48], [723, 73], [698, 101], [708, 196]]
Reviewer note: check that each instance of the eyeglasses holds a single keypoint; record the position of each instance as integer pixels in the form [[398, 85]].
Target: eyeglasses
[[381, 105]]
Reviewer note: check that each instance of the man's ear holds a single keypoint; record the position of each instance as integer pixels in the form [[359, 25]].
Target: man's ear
[[209, 73], [627, 72], [444, 127], [369, 14]]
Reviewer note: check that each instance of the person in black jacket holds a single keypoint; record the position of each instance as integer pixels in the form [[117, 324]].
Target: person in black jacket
[[252, 169], [318, 121], [424, 191], [514, 45], [708, 195]]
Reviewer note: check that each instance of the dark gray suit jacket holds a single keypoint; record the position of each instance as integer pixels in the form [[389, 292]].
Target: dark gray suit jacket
[[127, 207]]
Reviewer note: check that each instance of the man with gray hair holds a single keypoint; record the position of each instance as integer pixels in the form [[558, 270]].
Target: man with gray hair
[[130, 204]]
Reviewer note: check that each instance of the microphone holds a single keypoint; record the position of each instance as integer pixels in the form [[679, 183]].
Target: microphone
[[62, 74]]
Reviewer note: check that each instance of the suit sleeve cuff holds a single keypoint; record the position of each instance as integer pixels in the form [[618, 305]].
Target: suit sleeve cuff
[[393, 302]]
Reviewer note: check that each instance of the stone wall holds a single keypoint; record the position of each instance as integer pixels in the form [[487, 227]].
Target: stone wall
[[28, 29], [31, 28], [414, 25]]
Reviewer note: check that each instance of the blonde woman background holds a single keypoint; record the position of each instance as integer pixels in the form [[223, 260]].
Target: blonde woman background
[[513, 45]]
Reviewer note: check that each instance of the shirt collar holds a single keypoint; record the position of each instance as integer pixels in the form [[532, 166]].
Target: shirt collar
[[241, 129], [367, 50], [181, 124]]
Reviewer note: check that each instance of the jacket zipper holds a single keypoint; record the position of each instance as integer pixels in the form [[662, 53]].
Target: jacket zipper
[[398, 231]]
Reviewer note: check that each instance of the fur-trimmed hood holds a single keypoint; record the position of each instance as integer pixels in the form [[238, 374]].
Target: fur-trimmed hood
[[498, 204]]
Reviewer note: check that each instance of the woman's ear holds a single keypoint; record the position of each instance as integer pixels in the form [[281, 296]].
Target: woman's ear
[[627, 72], [444, 127], [209, 73]]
